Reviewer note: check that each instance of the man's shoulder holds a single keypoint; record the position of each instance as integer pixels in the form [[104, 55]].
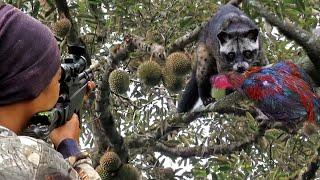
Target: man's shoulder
[[23, 156]]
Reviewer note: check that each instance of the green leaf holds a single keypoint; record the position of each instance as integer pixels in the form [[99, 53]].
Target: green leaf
[[300, 5], [225, 168]]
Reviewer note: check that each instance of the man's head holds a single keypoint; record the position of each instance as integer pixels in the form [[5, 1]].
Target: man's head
[[29, 60]]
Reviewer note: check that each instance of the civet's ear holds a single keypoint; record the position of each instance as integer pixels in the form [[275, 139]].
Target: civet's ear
[[223, 37]]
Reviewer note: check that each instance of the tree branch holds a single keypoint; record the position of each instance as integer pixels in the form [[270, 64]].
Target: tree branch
[[188, 38], [183, 120], [121, 53], [110, 136], [201, 151], [153, 49]]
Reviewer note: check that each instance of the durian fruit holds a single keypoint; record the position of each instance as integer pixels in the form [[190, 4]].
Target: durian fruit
[[149, 73], [103, 173], [119, 81], [128, 172], [110, 161], [164, 173], [178, 63], [62, 27], [172, 82]]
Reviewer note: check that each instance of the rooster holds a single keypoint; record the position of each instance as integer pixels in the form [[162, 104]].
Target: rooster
[[283, 91]]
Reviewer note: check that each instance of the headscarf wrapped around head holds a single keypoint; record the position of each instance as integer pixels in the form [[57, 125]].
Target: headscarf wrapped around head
[[29, 56]]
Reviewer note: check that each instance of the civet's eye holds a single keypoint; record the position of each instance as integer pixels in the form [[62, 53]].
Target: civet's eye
[[248, 54], [231, 56]]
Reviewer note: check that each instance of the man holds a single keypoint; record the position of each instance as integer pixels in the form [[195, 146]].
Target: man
[[29, 83]]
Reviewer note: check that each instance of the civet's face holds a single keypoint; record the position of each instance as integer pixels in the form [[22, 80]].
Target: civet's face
[[239, 51]]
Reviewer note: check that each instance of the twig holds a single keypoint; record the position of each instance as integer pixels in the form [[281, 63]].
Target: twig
[[125, 98]]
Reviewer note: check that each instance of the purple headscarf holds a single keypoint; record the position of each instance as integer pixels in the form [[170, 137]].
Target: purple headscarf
[[29, 56]]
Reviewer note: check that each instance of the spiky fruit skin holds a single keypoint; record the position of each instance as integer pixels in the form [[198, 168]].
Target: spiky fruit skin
[[103, 174], [62, 27], [110, 162], [119, 81], [128, 172], [165, 174], [172, 82], [149, 73], [178, 63]]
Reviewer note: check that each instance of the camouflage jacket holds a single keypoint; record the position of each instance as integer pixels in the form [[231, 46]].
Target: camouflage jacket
[[23, 157]]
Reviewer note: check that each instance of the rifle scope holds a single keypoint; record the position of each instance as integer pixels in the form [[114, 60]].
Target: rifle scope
[[74, 63]]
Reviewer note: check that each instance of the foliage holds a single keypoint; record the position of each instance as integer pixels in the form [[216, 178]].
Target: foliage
[[147, 109]]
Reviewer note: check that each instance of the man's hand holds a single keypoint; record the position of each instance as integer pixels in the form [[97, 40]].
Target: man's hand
[[69, 130], [91, 86]]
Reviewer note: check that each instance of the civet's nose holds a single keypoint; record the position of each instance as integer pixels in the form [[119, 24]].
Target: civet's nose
[[241, 69]]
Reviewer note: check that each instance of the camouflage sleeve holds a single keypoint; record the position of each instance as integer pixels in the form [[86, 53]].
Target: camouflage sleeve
[[83, 165], [23, 157]]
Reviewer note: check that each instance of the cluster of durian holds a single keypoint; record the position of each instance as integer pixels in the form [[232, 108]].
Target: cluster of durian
[[172, 74], [150, 73], [111, 168], [62, 27]]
